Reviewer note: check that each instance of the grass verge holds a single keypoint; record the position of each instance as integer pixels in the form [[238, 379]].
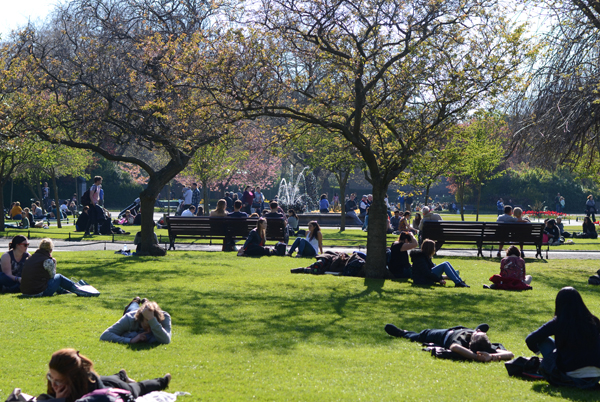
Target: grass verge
[[247, 329]]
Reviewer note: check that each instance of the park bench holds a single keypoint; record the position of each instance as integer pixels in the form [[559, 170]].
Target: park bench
[[485, 233], [205, 227]]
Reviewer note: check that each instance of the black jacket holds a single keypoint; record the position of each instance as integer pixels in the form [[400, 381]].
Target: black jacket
[[421, 268]]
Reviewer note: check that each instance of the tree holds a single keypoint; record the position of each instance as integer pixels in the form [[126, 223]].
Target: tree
[[328, 151], [55, 161], [14, 152], [113, 77], [386, 75], [234, 160], [557, 116], [481, 153]]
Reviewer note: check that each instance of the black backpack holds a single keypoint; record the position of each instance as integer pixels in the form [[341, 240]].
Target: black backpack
[[85, 198]]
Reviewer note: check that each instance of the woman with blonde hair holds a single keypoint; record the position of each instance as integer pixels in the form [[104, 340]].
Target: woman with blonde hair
[[39, 276], [220, 210], [71, 376]]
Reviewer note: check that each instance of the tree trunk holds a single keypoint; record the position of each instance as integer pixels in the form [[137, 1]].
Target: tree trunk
[[206, 194], [427, 192], [2, 204], [342, 179], [461, 189], [376, 264], [478, 201], [56, 201]]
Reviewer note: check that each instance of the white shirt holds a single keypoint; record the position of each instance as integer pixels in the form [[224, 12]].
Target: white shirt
[[63, 207], [187, 196], [187, 212]]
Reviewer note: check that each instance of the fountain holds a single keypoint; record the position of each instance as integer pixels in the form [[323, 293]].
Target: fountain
[[289, 195]]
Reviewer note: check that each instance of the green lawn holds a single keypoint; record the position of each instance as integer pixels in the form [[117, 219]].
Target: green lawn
[[247, 329]]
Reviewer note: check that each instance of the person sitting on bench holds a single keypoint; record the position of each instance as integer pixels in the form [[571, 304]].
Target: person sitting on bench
[[472, 344]]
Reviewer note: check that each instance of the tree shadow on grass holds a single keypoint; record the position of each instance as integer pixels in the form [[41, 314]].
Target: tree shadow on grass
[[572, 394], [351, 315]]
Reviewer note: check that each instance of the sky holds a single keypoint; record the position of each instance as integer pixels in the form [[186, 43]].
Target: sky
[[15, 13]]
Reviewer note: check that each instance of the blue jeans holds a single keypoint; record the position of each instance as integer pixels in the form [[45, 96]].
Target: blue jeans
[[56, 284], [447, 269], [366, 224], [305, 249], [547, 348], [351, 215], [437, 336], [10, 286], [134, 306]]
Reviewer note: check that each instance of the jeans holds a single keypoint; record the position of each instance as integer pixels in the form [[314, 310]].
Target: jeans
[[56, 284], [353, 218], [10, 286], [548, 350], [366, 224], [305, 249], [447, 269], [437, 336]]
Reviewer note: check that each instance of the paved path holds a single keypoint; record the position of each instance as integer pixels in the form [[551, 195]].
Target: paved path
[[63, 245]]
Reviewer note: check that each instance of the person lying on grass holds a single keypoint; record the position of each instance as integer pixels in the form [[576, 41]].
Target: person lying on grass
[[72, 376], [472, 344], [142, 321]]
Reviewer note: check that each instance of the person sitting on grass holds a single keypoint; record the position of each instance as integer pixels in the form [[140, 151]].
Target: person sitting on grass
[[40, 277], [553, 233], [71, 376], [16, 211], [399, 265], [572, 358], [142, 321], [561, 228], [12, 264], [512, 273], [312, 245], [425, 272], [589, 229], [255, 243], [471, 344], [83, 222]]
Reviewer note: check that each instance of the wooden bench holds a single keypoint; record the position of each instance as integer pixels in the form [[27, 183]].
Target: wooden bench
[[205, 227], [485, 233]]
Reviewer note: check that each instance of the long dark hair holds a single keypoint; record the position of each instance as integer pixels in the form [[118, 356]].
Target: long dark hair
[[75, 368], [576, 323], [316, 229]]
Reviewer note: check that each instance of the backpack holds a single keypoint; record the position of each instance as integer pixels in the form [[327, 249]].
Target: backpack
[[85, 198], [107, 395]]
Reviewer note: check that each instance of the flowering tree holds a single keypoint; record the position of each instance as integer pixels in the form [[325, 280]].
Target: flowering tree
[[232, 161]]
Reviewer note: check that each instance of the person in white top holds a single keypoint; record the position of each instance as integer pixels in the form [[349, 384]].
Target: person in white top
[[190, 211], [312, 245]]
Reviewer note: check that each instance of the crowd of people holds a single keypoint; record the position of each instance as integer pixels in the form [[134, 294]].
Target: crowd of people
[[572, 357]]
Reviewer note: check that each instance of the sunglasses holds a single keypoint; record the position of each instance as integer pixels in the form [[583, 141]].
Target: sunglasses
[[24, 244], [53, 381]]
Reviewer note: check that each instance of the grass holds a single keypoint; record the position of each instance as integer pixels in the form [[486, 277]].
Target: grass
[[247, 329]]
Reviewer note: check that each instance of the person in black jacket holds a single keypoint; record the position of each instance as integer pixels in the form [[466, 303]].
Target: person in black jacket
[[255, 243], [573, 356], [399, 264], [425, 272], [72, 375]]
